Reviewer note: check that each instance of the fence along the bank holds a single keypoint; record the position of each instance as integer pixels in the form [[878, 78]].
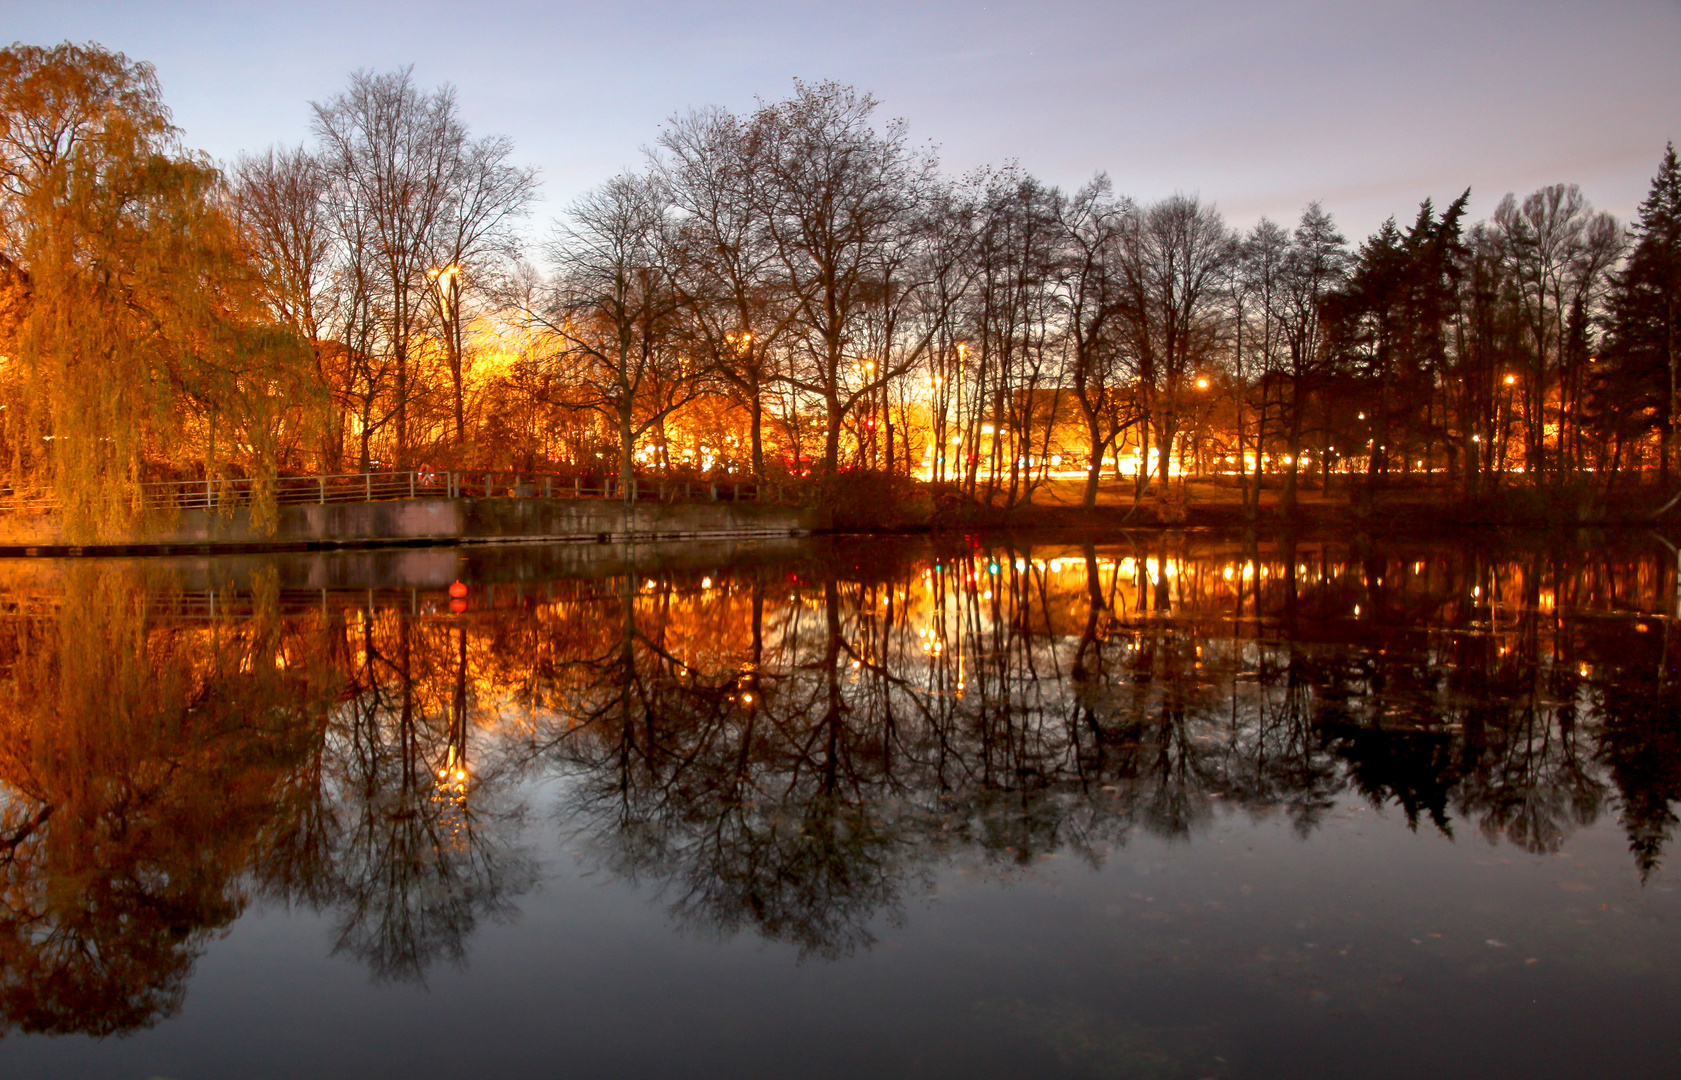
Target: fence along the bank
[[418, 484]]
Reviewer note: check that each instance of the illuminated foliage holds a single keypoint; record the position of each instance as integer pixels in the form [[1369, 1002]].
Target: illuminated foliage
[[138, 348]]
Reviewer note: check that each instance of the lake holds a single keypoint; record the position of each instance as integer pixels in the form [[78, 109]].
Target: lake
[[1156, 805]]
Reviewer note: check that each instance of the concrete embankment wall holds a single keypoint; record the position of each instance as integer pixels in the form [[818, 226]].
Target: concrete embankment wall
[[422, 521], [425, 568]]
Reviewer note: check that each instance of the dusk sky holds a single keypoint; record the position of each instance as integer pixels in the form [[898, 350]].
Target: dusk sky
[[1259, 107]]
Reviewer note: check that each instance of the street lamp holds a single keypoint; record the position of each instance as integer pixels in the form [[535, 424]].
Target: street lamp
[[962, 354], [448, 281]]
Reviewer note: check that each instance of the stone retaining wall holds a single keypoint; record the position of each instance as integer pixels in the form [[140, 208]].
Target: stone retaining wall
[[421, 521]]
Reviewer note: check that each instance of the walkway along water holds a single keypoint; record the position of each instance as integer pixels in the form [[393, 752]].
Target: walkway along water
[[413, 508]]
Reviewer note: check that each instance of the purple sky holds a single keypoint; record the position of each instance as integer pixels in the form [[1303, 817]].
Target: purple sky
[[1257, 106]]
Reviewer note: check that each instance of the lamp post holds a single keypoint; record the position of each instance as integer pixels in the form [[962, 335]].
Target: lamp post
[[1510, 382], [874, 416], [962, 352], [1200, 431]]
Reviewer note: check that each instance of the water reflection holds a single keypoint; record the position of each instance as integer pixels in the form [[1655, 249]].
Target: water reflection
[[146, 764], [786, 748]]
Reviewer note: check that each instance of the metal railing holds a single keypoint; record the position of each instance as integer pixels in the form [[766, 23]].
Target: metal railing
[[417, 484], [487, 485]]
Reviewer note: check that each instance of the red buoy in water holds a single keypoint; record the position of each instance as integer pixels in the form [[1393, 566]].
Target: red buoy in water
[[458, 590]]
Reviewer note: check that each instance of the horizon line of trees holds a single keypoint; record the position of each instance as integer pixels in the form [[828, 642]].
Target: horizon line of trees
[[792, 291]]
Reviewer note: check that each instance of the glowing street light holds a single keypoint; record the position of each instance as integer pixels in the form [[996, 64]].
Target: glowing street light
[[448, 280]]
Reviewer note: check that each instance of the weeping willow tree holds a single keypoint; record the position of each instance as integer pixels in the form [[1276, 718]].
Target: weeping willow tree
[[147, 765], [135, 343]]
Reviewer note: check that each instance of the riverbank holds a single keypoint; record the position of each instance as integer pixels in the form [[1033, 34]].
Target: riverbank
[[422, 523], [873, 505], [1058, 505]]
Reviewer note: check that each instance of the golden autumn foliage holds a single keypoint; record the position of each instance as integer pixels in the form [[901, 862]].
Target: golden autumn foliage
[[140, 765], [136, 345]]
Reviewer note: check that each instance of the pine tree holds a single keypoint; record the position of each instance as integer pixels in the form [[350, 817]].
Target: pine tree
[[1641, 372], [135, 341]]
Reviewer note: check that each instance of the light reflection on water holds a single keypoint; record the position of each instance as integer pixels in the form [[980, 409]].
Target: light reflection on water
[[1155, 806]]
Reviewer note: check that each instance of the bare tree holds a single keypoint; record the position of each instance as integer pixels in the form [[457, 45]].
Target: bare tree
[[617, 311], [394, 154], [1315, 265], [1255, 285], [1093, 225], [1557, 248], [1177, 252], [476, 241], [839, 208], [1012, 314], [279, 206], [725, 264], [949, 218]]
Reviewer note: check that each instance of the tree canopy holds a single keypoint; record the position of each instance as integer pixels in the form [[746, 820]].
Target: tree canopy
[[793, 292], [136, 345]]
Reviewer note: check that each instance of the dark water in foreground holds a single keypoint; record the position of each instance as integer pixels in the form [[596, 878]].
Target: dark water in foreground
[[1155, 807]]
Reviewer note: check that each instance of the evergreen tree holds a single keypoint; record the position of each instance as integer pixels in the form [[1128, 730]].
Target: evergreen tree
[[1390, 326], [1641, 372], [1316, 266]]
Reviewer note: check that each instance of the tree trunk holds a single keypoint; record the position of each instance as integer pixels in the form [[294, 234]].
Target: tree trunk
[[831, 436], [1294, 444], [1094, 470], [756, 412], [460, 407], [627, 450]]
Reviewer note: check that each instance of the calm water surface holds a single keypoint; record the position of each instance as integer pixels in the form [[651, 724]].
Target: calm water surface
[[1157, 806]]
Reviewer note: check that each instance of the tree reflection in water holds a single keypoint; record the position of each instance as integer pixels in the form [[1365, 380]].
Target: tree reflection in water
[[791, 750], [145, 764]]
